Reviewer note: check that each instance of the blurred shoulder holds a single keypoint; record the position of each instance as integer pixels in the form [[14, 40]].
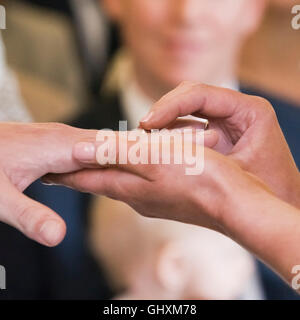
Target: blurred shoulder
[[284, 108], [105, 112], [288, 115]]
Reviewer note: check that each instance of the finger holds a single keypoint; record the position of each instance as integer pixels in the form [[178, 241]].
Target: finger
[[35, 220], [211, 137], [88, 155], [190, 122], [187, 99], [111, 182], [114, 152]]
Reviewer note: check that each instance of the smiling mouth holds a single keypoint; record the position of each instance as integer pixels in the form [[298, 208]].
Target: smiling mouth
[[184, 46]]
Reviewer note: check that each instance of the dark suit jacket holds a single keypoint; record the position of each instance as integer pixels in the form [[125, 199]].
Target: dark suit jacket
[[69, 271]]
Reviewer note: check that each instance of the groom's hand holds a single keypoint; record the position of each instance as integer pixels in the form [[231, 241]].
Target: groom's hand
[[248, 130]]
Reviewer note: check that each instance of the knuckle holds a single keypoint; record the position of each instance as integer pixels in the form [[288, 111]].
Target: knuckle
[[265, 108], [197, 88], [28, 220], [23, 216], [57, 125], [115, 191]]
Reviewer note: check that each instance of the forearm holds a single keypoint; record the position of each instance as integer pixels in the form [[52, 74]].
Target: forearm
[[268, 227]]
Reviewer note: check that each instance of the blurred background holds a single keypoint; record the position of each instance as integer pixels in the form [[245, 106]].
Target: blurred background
[[59, 57], [58, 67]]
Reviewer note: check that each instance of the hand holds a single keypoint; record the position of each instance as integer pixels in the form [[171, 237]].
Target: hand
[[161, 190], [248, 131], [28, 152], [224, 198]]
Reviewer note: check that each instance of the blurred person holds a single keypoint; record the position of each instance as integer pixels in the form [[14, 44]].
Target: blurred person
[[148, 258], [166, 43], [191, 40]]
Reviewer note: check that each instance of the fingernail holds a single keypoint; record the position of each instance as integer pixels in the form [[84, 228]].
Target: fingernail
[[195, 137], [51, 232], [84, 151], [147, 117]]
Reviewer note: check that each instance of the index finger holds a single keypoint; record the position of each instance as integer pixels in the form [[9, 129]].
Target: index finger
[[197, 99]]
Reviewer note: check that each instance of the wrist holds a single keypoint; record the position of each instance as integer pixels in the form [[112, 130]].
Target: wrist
[[264, 224], [220, 197], [292, 193], [240, 199], [245, 203]]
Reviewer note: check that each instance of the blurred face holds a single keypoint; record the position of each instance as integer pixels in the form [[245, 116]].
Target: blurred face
[[176, 40]]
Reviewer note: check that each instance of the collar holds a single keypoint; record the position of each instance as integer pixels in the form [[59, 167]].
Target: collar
[[134, 103]]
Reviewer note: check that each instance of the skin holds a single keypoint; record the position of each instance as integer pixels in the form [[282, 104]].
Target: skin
[[249, 132], [171, 41], [224, 198], [237, 194], [28, 152]]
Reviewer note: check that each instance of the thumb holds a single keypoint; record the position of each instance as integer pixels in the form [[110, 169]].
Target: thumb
[[33, 219]]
